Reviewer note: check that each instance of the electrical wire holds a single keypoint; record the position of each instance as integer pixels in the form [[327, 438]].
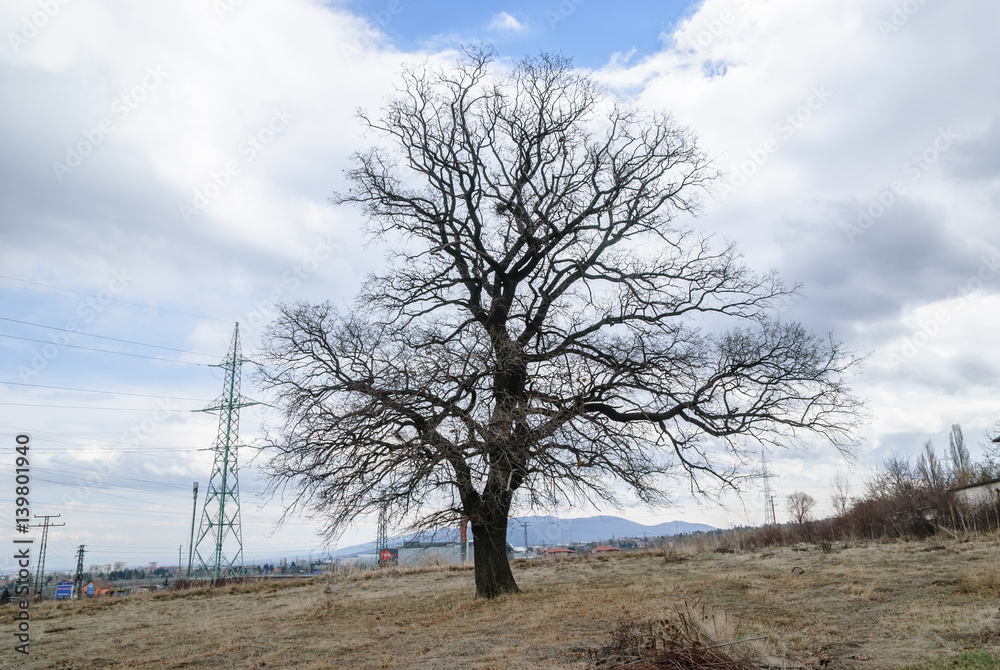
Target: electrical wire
[[118, 409], [106, 337], [112, 476], [124, 302], [136, 395], [103, 351], [180, 487], [79, 437], [105, 493]]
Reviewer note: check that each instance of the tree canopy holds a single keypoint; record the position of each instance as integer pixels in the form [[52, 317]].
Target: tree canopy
[[546, 331]]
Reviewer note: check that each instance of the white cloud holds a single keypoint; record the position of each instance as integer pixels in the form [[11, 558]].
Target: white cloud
[[505, 23], [814, 108], [814, 113], [219, 83]]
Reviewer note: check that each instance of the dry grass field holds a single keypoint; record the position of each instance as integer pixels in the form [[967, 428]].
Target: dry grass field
[[929, 604]]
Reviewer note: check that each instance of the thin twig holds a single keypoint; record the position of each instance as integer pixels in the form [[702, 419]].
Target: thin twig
[[746, 639]]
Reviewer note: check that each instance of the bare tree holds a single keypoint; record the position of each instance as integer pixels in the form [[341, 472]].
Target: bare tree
[[895, 479], [841, 496], [800, 506], [963, 470], [931, 470], [545, 333]]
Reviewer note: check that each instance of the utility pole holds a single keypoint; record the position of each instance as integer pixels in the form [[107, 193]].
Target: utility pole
[[45, 525], [78, 577], [524, 526], [180, 548], [194, 512], [382, 541], [463, 536], [221, 514], [769, 518]]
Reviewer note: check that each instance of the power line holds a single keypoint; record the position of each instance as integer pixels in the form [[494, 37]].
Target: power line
[[149, 451], [124, 302], [111, 495], [136, 395], [133, 479], [103, 351], [115, 485], [79, 437], [118, 409], [105, 337]]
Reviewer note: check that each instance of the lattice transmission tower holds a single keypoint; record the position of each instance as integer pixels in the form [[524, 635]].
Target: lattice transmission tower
[[769, 518], [219, 544], [40, 574], [77, 593]]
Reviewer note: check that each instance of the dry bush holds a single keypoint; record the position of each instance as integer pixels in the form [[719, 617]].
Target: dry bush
[[980, 581], [693, 658], [689, 635], [868, 591], [672, 555]]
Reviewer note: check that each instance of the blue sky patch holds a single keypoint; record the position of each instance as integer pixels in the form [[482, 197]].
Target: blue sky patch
[[589, 31]]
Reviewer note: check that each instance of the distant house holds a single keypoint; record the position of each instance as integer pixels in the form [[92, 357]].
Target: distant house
[[98, 587], [604, 549], [978, 494], [558, 551]]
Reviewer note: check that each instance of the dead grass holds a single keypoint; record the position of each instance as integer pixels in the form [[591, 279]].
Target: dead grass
[[880, 606], [982, 580]]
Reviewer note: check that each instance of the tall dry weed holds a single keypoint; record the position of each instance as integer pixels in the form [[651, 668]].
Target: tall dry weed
[[981, 581]]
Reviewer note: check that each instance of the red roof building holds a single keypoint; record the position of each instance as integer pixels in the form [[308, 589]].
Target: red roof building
[[604, 549], [558, 551], [98, 587]]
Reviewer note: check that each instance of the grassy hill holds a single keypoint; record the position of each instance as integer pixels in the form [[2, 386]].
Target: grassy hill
[[928, 604]]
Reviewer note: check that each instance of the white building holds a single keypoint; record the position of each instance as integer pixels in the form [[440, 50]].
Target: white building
[[434, 553], [979, 494]]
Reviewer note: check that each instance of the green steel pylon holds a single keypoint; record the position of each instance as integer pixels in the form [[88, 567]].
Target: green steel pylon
[[220, 516]]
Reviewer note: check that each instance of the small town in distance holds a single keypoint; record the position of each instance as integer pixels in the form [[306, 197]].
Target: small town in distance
[[442, 548]]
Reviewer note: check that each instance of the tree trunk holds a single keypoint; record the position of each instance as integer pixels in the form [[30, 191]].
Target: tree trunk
[[493, 573]]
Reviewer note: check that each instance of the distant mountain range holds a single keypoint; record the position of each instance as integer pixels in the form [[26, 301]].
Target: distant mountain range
[[550, 530]]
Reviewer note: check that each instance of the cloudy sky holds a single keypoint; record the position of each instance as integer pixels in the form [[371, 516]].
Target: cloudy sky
[[166, 168]]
